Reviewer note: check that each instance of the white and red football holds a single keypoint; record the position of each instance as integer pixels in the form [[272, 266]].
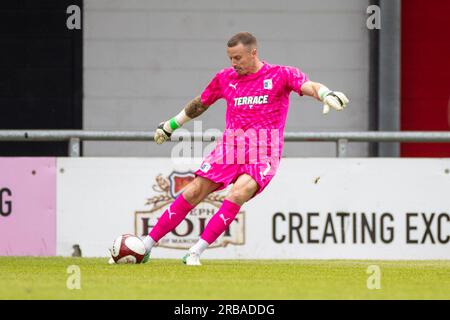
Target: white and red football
[[128, 249]]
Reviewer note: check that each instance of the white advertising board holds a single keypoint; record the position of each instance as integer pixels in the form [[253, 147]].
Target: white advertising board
[[355, 208]]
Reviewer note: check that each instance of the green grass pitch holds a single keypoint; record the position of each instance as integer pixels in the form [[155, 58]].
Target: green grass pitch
[[46, 278]]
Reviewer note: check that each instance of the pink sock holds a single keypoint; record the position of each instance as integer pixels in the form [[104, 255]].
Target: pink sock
[[220, 221], [171, 218]]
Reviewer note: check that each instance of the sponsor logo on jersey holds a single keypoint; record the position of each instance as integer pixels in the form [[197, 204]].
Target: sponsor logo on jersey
[[251, 100]]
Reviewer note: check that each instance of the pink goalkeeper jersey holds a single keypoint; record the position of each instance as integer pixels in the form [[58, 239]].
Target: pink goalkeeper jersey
[[257, 101]]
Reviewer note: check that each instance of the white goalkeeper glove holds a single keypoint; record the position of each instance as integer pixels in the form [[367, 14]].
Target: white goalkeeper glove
[[161, 134], [332, 99], [165, 129]]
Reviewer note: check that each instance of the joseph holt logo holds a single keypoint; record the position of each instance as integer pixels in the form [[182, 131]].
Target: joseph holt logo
[[189, 231]]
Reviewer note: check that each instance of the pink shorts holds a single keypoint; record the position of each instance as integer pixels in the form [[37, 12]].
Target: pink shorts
[[226, 174]]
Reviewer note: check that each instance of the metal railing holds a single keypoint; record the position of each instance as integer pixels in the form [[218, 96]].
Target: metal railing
[[75, 137]]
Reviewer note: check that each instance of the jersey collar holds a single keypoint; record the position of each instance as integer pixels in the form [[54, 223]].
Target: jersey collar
[[255, 75]]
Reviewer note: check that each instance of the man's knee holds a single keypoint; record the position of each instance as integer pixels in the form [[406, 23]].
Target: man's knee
[[242, 194], [236, 196], [193, 192], [197, 190]]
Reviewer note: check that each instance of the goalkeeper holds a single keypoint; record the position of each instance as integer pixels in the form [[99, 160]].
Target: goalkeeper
[[257, 97]]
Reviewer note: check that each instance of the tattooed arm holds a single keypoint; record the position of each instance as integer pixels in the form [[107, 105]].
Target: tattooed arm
[[195, 108], [192, 110]]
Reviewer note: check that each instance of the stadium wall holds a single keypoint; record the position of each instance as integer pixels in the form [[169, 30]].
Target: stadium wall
[[144, 60], [357, 208], [425, 105], [329, 209], [27, 206]]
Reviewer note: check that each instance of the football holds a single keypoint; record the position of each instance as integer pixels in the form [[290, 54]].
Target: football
[[127, 249]]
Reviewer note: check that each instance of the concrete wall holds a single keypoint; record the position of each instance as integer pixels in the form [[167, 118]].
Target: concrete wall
[[143, 60]]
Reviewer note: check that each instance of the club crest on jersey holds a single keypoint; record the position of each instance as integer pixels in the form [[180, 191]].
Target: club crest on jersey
[[268, 84]]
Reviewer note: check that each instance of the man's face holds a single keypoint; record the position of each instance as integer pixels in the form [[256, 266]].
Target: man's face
[[243, 59]]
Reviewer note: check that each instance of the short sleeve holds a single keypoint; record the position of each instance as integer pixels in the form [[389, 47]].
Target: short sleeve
[[294, 78], [212, 92]]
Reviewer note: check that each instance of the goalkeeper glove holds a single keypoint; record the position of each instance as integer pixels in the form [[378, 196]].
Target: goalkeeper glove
[[161, 134], [332, 99], [165, 129]]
